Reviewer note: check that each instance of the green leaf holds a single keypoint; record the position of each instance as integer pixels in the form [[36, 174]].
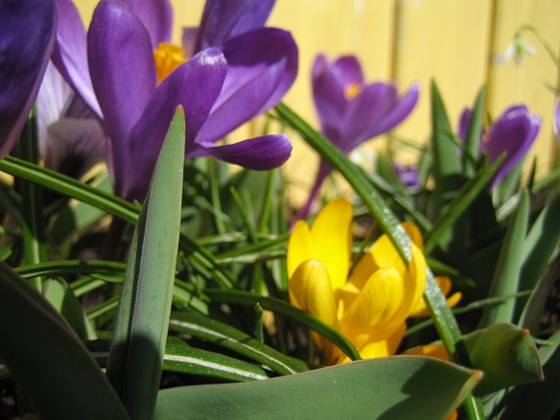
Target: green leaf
[[48, 359], [474, 131], [67, 304], [538, 248], [137, 348], [537, 400], [461, 202], [506, 354], [70, 187], [226, 336], [284, 308], [447, 163], [392, 388], [506, 275], [182, 358], [33, 226]]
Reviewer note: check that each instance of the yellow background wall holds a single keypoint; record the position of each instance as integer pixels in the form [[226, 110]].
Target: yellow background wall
[[455, 42]]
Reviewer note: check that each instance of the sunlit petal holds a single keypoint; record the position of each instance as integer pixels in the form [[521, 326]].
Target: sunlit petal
[[310, 290], [435, 350], [300, 246], [332, 241]]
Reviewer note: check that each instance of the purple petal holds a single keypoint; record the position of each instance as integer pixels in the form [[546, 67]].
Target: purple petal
[[366, 113], [51, 101], [70, 52], [71, 139], [188, 40], [348, 71], [513, 133], [157, 17], [397, 112], [226, 19], [262, 65], [464, 122], [74, 145], [27, 31], [260, 153], [329, 97], [122, 70], [195, 85]]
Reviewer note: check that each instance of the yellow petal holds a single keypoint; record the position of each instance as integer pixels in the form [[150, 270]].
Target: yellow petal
[[377, 310], [415, 278], [444, 283], [310, 290], [384, 348], [414, 233], [300, 247], [332, 240], [385, 254], [435, 350]]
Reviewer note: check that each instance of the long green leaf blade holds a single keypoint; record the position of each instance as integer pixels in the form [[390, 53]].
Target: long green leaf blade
[[226, 336], [70, 187], [137, 349], [392, 388], [48, 359], [506, 276]]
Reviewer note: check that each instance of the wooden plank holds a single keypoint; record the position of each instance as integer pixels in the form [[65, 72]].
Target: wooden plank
[[446, 41], [512, 83]]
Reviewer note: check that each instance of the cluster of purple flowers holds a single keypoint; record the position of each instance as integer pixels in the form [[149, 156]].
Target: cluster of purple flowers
[[109, 93], [119, 98]]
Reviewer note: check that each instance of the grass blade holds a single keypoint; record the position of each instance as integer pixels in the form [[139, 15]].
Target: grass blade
[[138, 344], [57, 371]]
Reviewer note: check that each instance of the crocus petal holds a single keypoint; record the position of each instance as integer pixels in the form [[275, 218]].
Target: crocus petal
[[52, 98], [259, 153], [71, 139], [464, 122], [514, 133], [188, 40], [223, 20], [75, 145], [195, 85], [398, 110], [378, 308], [300, 246], [310, 290], [367, 109], [421, 311], [70, 52], [156, 16], [435, 350], [27, 31], [401, 109], [122, 72], [383, 348], [262, 65], [329, 98], [332, 240]]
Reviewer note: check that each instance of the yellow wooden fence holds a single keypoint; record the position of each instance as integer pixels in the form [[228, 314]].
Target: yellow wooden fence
[[461, 44]]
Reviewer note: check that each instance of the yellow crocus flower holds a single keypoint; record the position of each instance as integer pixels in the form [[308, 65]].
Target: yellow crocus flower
[[370, 304]]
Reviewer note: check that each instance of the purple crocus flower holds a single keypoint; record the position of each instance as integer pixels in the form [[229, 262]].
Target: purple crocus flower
[[219, 88], [27, 29], [512, 133], [351, 111], [408, 175], [71, 139]]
